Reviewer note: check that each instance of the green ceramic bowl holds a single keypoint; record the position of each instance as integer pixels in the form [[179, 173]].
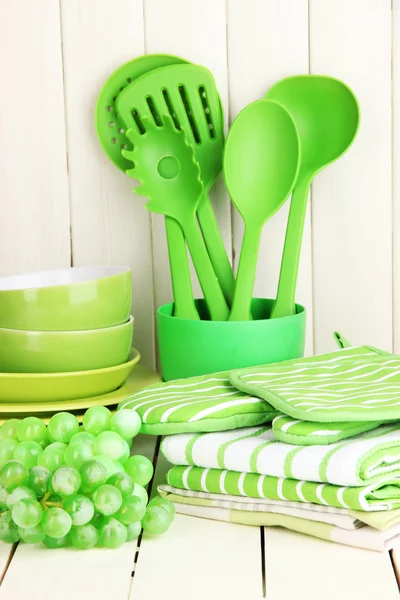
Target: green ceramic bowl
[[189, 348], [64, 351], [77, 298]]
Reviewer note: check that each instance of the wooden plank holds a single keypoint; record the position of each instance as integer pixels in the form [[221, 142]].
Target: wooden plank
[[69, 573], [198, 558], [396, 172], [195, 31], [352, 220], [109, 224], [299, 566], [266, 42], [34, 210]]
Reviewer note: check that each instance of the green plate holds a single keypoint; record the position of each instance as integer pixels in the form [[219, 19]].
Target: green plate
[[139, 378], [58, 387]]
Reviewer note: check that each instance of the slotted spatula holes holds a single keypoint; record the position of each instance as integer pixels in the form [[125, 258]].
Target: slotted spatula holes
[[170, 108], [207, 111], [153, 111], [138, 121], [188, 110]]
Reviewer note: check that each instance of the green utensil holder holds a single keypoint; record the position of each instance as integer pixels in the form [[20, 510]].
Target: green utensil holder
[[188, 348]]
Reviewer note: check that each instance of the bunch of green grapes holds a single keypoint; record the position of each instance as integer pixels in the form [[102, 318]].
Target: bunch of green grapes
[[66, 485]]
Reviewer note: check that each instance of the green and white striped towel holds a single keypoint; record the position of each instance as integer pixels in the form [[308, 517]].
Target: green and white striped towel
[[324, 526], [373, 497], [306, 433], [206, 403], [352, 384], [370, 457]]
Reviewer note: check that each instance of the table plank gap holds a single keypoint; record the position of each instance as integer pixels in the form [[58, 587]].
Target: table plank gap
[[319, 568], [395, 567], [263, 573], [7, 552]]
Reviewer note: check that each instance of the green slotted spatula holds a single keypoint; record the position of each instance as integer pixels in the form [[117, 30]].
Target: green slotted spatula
[[111, 133], [188, 94], [164, 162]]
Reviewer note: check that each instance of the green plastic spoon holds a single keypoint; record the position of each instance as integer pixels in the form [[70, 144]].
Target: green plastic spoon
[[188, 93], [164, 162], [327, 116], [261, 162], [111, 133]]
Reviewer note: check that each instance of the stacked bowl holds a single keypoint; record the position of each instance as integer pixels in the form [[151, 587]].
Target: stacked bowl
[[65, 334]]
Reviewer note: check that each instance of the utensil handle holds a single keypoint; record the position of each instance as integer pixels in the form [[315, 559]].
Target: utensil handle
[[241, 307], [215, 247], [284, 304], [213, 295], [184, 306]]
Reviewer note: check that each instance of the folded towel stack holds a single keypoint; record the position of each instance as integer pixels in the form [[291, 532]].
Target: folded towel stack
[[311, 444]]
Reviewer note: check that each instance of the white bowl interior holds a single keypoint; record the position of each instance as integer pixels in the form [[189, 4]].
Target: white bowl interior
[[59, 277]]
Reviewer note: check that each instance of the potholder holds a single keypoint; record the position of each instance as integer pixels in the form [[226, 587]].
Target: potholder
[[352, 384], [307, 433], [198, 404]]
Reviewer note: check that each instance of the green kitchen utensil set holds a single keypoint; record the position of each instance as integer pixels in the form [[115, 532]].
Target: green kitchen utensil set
[[159, 118]]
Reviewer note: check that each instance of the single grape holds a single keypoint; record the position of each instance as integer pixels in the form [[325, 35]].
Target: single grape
[[62, 426], [122, 482], [27, 453], [82, 437], [80, 508], [93, 474], [31, 535], [99, 520], [57, 446], [19, 493], [7, 449], [65, 481], [126, 423], [140, 491], [77, 453], [13, 474], [133, 530], [139, 468], [84, 537], [39, 480], [156, 520], [113, 534], [165, 504], [110, 465], [96, 419], [9, 429], [131, 511], [3, 497], [110, 444], [56, 522], [32, 429], [51, 458], [8, 529], [107, 499], [118, 467], [54, 543], [27, 513]]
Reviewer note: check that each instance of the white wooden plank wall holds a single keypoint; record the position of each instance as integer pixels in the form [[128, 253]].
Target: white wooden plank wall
[[55, 57]]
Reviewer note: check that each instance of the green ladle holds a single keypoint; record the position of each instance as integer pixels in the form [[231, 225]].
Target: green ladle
[[111, 133], [164, 162], [261, 162], [327, 116]]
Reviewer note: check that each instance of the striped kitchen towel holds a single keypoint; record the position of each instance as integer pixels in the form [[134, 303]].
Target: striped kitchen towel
[[368, 458], [372, 497], [352, 384], [329, 527], [205, 403]]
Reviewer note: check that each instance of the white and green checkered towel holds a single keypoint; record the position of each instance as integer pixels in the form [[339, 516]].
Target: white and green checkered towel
[[331, 526], [366, 459]]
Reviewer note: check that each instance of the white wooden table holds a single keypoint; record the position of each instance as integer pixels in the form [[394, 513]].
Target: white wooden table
[[200, 559]]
